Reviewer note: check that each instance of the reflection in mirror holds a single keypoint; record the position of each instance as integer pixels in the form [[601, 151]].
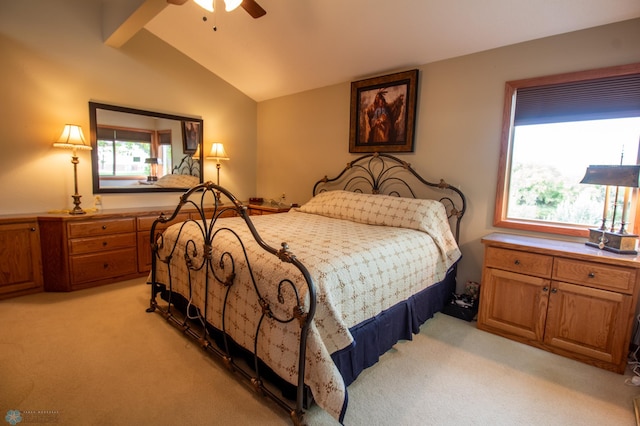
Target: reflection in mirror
[[143, 151]]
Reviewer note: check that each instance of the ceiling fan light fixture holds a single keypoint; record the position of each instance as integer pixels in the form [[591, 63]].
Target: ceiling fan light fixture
[[231, 4], [207, 4]]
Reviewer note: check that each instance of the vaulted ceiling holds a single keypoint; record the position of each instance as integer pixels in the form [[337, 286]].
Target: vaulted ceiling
[[304, 44]]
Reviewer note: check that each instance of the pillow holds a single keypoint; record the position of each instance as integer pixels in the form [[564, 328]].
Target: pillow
[[375, 209], [428, 216], [177, 181]]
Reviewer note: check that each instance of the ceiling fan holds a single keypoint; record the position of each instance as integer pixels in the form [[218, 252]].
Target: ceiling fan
[[252, 8]]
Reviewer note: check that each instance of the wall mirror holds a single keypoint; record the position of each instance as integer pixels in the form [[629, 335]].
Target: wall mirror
[[143, 151]]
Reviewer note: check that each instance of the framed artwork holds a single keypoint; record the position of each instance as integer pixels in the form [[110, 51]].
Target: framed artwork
[[383, 112], [191, 136]]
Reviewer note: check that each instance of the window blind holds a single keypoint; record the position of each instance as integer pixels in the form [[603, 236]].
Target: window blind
[[602, 98], [110, 134], [164, 138]]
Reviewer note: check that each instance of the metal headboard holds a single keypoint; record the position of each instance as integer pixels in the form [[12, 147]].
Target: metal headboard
[[188, 166], [385, 174]]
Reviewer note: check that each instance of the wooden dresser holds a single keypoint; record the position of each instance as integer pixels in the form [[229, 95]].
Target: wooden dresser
[[563, 297], [101, 248], [88, 250]]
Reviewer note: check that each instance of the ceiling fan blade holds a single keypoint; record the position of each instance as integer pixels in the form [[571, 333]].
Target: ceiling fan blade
[[253, 8], [177, 2]]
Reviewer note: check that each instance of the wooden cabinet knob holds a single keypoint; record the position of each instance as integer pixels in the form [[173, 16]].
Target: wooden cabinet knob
[[592, 275], [104, 226], [517, 262], [545, 289]]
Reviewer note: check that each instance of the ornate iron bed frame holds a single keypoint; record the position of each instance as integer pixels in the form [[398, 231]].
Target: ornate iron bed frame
[[187, 166], [369, 172]]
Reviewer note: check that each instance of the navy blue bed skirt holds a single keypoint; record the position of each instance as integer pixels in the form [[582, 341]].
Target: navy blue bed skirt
[[377, 335], [372, 338]]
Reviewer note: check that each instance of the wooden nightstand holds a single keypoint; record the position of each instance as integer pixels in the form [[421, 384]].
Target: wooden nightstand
[[563, 297], [267, 208]]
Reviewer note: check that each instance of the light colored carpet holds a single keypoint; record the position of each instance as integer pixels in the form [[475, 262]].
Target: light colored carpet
[[95, 357]]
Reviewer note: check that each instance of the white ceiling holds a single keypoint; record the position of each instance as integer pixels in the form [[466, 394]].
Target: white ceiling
[[305, 44]]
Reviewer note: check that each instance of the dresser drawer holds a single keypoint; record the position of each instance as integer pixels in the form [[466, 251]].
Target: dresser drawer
[[100, 244], [608, 277], [92, 228], [145, 222], [523, 262], [100, 266], [255, 212]]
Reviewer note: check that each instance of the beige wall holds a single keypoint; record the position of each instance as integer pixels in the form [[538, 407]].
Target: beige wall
[[53, 62], [305, 136]]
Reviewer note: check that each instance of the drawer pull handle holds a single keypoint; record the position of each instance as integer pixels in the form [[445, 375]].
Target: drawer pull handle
[[105, 266], [592, 274], [104, 226], [554, 290], [104, 244], [545, 289], [33, 229], [517, 262]]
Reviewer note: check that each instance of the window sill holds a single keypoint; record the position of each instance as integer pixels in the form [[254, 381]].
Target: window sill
[[549, 228]]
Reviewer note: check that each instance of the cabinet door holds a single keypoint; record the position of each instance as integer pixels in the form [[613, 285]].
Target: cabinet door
[[513, 304], [20, 266], [588, 321]]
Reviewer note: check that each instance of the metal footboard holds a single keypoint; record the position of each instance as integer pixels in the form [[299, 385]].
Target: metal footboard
[[206, 211]]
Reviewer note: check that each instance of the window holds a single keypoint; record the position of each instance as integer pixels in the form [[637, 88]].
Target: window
[[164, 152], [122, 152], [554, 127]]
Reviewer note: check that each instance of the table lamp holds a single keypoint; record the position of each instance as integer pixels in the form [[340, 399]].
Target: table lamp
[[153, 172], [626, 176], [73, 138], [217, 153]]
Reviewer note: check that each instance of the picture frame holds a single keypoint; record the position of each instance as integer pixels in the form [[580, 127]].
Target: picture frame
[[191, 136], [383, 111]]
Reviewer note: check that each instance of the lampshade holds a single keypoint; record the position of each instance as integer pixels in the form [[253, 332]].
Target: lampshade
[[72, 138], [206, 4], [613, 175], [217, 153], [196, 155], [231, 4]]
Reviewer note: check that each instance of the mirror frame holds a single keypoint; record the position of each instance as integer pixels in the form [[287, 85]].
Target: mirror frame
[[93, 128]]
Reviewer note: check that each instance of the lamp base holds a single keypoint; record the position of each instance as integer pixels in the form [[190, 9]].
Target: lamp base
[[77, 209], [218, 199], [613, 241]]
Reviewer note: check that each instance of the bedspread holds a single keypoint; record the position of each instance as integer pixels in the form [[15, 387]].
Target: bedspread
[[359, 270]]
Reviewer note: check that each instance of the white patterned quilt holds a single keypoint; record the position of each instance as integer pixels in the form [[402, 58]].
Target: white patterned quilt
[[365, 253]]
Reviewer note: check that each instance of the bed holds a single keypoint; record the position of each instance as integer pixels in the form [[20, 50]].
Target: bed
[[300, 303], [185, 175]]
